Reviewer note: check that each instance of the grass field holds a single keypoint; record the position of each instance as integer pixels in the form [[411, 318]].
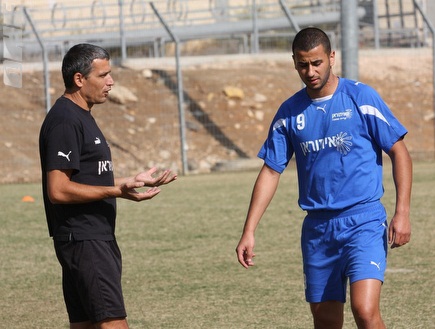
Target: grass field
[[180, 268]]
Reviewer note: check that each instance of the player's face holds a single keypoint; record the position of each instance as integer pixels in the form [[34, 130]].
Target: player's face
[[96, 86], [314, 68]]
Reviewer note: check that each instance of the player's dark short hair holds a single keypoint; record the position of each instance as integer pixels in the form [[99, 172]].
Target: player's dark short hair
[[79, 59], [309, 38]]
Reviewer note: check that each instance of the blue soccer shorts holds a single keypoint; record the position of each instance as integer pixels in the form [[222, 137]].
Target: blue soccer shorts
[[342, 245]]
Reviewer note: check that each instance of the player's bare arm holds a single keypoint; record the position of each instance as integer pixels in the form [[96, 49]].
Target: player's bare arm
[[263, 192], [400, 227]]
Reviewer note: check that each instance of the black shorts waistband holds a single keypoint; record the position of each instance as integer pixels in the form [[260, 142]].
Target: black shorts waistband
[[63, 237], [66, 237]]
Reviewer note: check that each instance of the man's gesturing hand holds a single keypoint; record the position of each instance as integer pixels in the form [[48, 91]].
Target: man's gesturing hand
[[129, 191], [154, 178]]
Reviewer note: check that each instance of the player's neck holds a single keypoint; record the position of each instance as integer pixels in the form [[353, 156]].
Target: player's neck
[[327, 90]]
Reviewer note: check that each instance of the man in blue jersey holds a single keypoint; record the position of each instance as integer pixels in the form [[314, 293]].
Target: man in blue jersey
[[80, 193], [337, 130]]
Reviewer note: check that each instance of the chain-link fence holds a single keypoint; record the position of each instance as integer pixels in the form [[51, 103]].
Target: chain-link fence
[[232, 82]]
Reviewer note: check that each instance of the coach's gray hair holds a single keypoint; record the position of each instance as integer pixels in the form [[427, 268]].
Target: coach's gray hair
[[79, 60]]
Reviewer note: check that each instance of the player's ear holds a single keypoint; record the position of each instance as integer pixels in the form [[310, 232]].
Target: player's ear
[[332, 58]]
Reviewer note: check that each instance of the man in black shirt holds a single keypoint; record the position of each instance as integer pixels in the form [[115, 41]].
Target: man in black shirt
[[80, 192]]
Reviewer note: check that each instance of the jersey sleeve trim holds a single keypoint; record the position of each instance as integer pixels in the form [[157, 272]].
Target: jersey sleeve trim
[[371, 110]]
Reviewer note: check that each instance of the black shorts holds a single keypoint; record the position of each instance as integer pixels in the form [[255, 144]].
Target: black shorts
[[91, 279]]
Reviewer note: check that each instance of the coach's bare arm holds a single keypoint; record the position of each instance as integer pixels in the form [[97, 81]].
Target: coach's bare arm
[[61, 190], [399, 232], [263, 192]]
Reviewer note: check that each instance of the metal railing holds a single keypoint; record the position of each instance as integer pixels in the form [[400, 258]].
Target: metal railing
[[128, 23]]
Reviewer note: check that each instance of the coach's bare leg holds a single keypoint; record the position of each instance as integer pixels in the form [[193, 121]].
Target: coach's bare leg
[[327, 315], [365, 296], [112, 324]]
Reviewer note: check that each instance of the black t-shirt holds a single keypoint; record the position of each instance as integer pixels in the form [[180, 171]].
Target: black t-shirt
[[70, 139]]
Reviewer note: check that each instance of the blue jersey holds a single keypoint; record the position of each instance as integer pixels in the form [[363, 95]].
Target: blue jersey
[[337, 142]]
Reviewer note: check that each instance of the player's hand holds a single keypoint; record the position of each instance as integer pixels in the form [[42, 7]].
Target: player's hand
[[399, 231], [129, 191], [154, 178], [245, 251]]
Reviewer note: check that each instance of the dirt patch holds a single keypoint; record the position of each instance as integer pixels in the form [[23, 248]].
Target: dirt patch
[[146, 133]]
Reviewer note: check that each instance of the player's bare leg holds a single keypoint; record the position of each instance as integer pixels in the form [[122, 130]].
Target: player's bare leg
[[327, 315], [365, 298]]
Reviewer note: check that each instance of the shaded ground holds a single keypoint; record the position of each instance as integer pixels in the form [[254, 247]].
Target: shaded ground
[[145, 133]]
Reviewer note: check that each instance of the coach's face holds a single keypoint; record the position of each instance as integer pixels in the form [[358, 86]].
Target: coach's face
[[96, 85], [314, 68]]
